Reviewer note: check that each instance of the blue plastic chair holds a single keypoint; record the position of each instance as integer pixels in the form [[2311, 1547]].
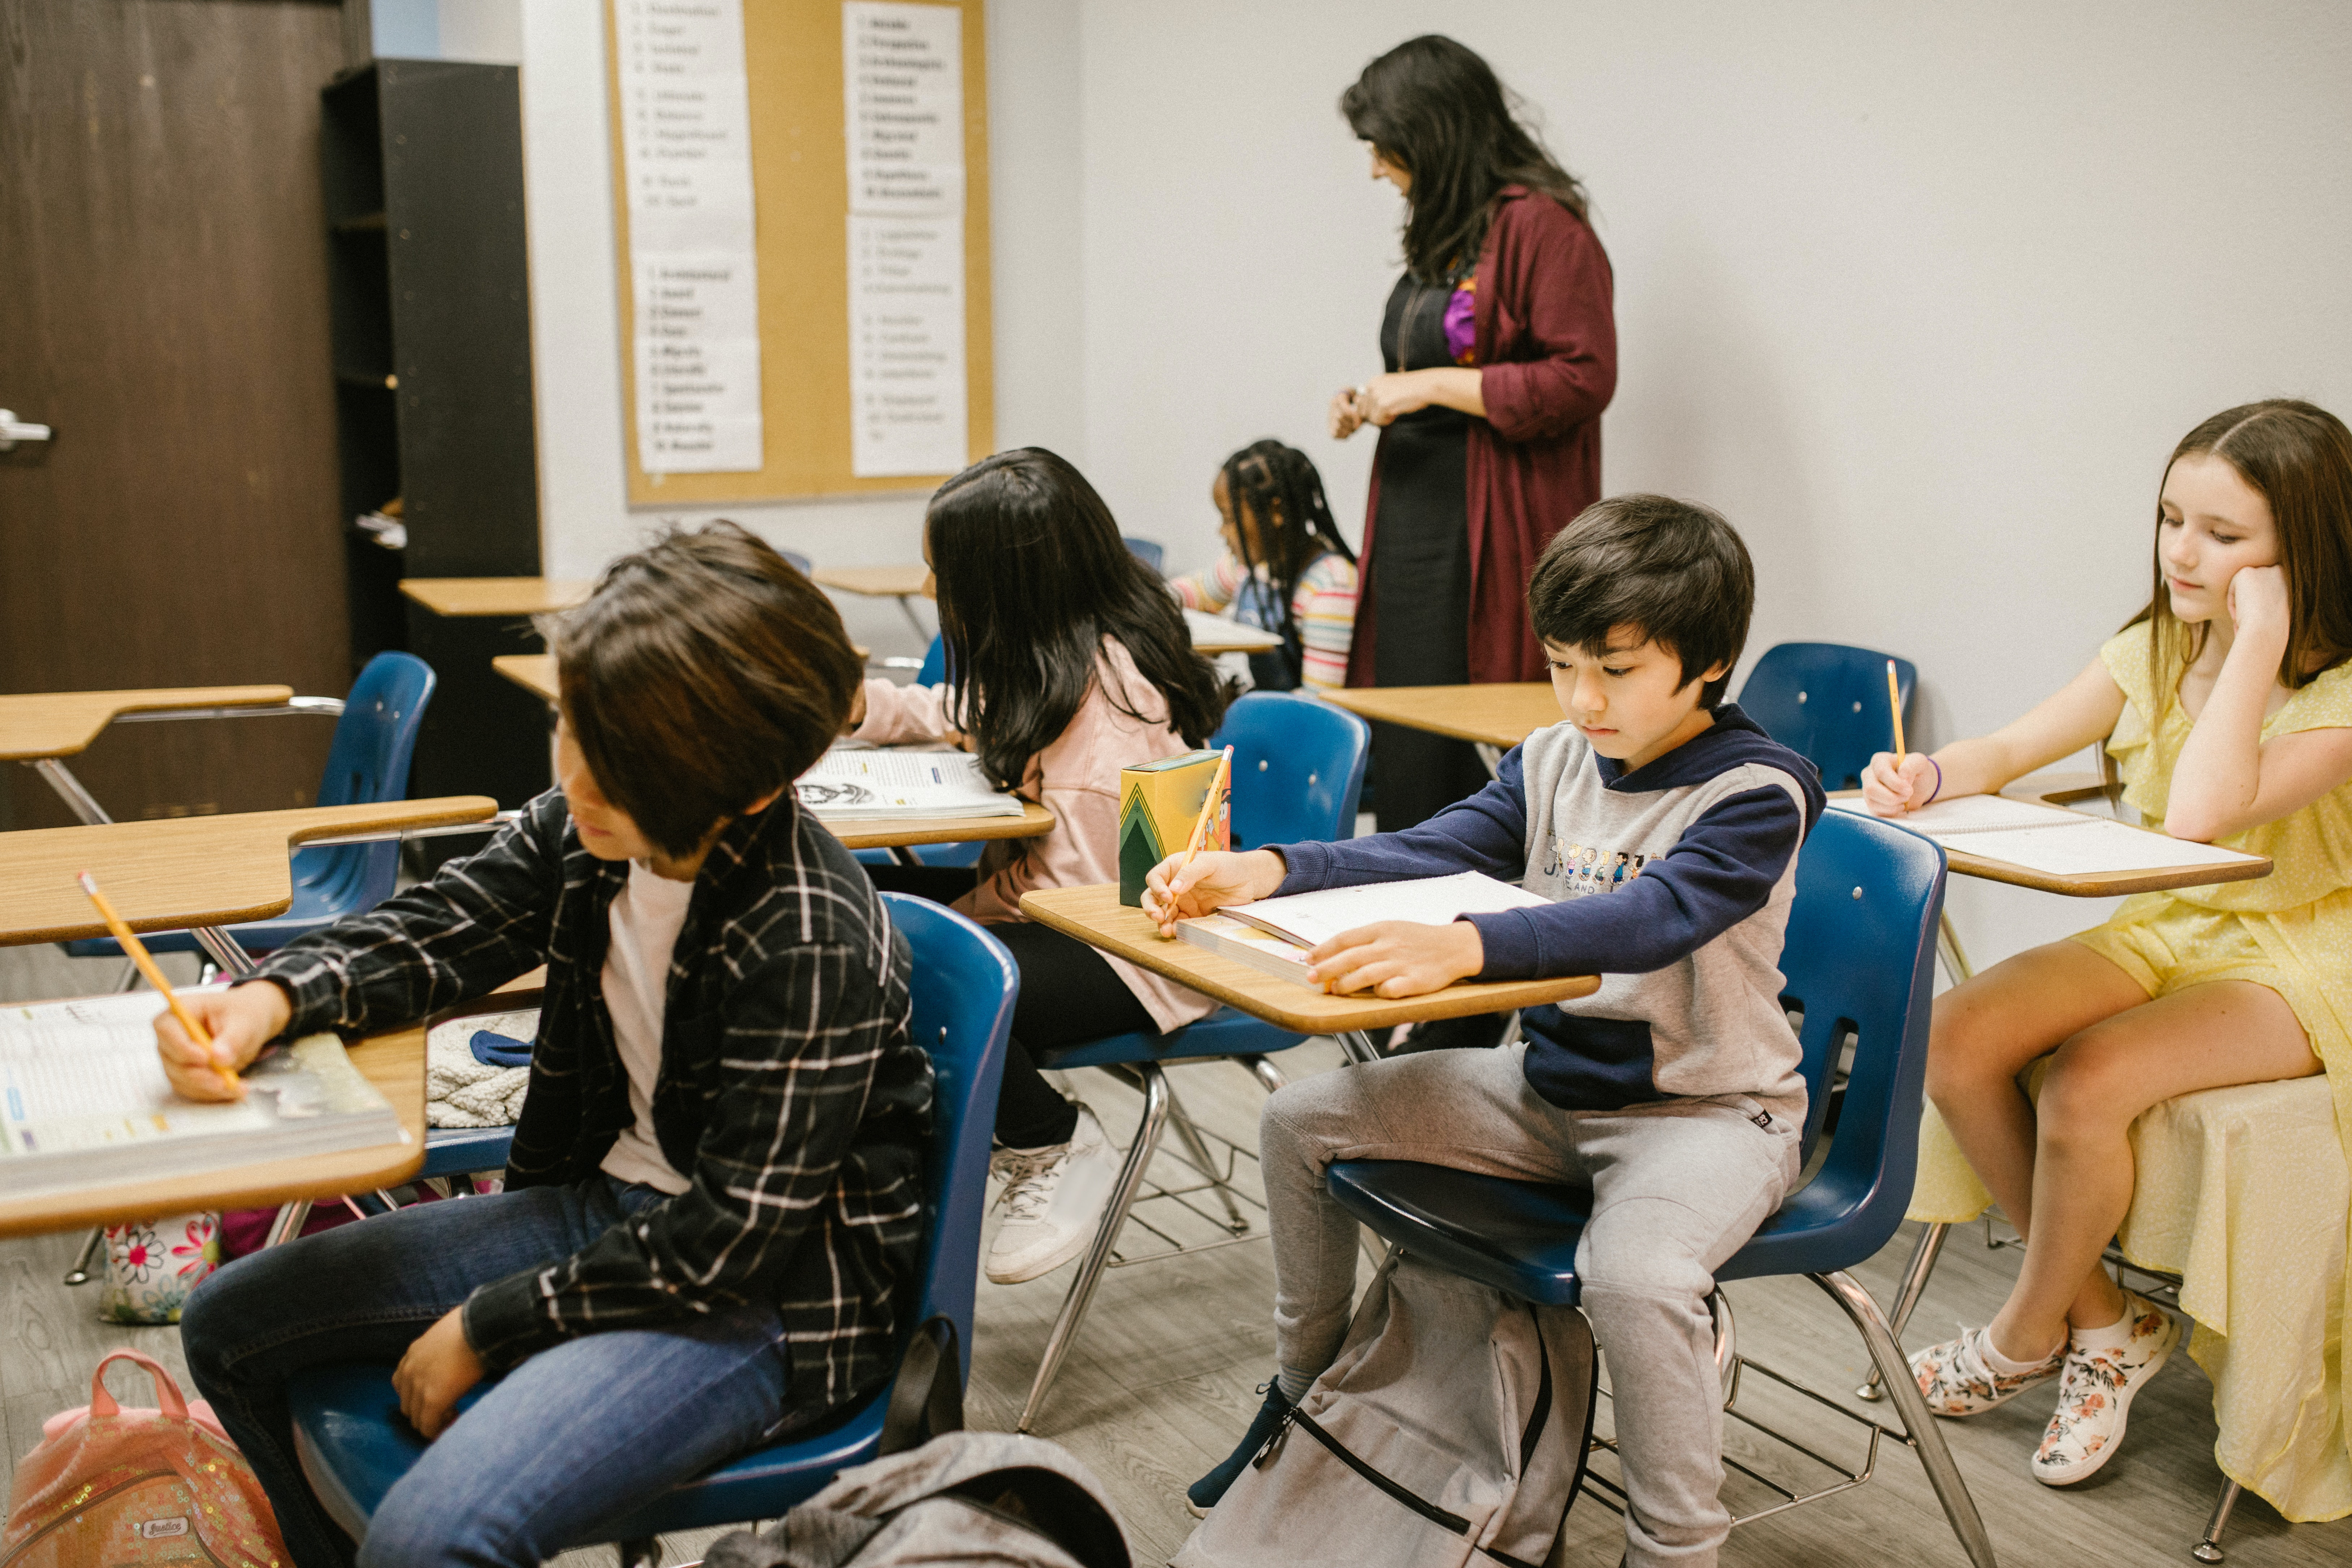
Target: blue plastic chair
[[1299, 771], [367, 762], [1827, 702], [1860, 967], [353, 1445], [1148, 551]]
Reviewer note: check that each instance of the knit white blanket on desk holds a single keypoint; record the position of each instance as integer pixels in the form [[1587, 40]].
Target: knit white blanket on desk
[[460, 1091]]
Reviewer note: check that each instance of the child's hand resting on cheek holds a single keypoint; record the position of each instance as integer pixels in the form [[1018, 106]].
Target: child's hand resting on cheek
[[1890, 790], [1174, 891], [1400, 958]]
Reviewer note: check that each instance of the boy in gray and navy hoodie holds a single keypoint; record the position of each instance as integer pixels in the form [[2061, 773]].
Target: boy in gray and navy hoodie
[[1664, 825]]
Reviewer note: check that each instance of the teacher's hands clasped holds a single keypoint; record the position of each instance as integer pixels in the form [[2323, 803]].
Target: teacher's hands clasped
[[1377, 401], [1389, 959]]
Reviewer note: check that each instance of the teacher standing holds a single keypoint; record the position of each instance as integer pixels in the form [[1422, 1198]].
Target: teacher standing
[[1501, 351]]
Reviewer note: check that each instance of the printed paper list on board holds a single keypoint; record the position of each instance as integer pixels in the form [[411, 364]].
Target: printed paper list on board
[[902, 74], [686, 136]]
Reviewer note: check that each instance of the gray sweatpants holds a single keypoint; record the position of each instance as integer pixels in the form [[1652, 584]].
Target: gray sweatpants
[[1677, 1187]]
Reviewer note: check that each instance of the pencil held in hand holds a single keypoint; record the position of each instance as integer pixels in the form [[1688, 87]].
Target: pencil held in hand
[[1894, 707], [146, 962], [1217, 783]]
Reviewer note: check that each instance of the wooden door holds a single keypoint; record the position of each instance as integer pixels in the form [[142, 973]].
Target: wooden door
[[163, 306]]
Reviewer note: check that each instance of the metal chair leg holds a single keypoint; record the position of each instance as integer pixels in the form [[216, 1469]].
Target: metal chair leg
[[1204, 1161], [2210, 1549], [1907, 1299], [1267, 1074], [1936, 1458], [92, 1246], [1090, 1269], [1727, 1345]]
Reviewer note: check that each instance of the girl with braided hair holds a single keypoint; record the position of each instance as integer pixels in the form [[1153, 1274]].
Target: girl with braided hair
[[1285, 569]]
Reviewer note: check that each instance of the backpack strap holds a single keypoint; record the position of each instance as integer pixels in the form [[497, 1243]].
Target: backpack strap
[[926, 1396], [167, 1391], [1428, 1511]]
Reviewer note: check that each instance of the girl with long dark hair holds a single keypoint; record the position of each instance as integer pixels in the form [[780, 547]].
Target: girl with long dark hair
[[1067, 660], [1499, 350], [1285, 569]]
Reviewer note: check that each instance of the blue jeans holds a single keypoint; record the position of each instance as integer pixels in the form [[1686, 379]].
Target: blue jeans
[[573, 1436]]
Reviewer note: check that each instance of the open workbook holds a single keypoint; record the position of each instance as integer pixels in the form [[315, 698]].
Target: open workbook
[[84, 1103], [873, 785], [2048, 840], [1276, 934]]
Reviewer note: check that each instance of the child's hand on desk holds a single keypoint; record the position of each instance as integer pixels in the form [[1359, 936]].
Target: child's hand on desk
[[1400, 958], [241, 1020], [1173, 891], [1890, 790], [439, 1367]]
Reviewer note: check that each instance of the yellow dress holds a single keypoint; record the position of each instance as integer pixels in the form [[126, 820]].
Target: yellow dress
[[2236, 1189]]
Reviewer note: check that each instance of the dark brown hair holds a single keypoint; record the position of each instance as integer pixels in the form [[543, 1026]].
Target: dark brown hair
[[703, 673], [1673, 571], [1436, 110], [1277, 487], [2298, 458]]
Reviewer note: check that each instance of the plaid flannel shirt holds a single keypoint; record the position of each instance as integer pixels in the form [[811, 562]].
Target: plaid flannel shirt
[[789, 1093]]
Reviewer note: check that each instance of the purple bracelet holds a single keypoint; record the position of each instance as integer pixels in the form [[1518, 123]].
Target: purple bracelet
[[1939, 783]]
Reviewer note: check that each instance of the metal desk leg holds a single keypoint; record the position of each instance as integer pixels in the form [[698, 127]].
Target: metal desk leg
[[1906, 1298], [1948, 948], [1358, 1047], [907, 610], [1492, 755]]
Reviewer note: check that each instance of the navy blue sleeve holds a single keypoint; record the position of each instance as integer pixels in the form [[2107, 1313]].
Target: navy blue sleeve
[[1487, 833], [1722, 870]]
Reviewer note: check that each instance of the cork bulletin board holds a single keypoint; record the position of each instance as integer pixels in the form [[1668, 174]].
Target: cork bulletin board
[[798, 109]]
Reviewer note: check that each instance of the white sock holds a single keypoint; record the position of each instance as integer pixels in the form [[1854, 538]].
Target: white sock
[[2114, 1337], [2001, 1363]]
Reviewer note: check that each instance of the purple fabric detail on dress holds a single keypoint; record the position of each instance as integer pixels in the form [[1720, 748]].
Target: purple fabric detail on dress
[[1461, 325]]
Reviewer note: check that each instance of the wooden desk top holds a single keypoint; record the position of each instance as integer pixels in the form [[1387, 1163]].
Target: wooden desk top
[[1214, 635], [1094, 915], [60, 724], [494, 595], [876, 582], [2066, 791], [534, 672], [181, 871], [394, 1063], [1501, 715], [1034, 822]]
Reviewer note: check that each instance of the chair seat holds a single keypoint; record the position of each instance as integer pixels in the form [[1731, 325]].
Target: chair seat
[[1521, 1237], [354, 1445], [462, 1151], [1224, 1033]]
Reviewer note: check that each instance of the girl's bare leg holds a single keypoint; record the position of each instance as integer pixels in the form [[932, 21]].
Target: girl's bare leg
[[2207, 1037]]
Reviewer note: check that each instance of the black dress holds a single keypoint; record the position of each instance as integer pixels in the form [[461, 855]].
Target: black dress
[[1419, 566]]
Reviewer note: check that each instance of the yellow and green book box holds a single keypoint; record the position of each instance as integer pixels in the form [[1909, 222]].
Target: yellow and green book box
[[1158, 803]]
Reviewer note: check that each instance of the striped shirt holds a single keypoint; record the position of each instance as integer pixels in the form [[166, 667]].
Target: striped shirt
[[789, 1093], [1324, 606]]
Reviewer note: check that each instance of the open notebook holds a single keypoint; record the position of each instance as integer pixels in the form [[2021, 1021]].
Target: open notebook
[[2050, 840], [84, 1103], [870, 786], [1276, 934]]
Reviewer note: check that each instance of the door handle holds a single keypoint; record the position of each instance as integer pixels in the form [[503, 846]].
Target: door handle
[[13, 430]]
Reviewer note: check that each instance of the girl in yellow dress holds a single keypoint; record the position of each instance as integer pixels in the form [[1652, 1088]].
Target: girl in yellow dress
[[2228, 705]]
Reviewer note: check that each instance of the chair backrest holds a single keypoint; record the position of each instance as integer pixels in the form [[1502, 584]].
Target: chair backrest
[[1298, 768], [1827, 702], [1859, 962], [368, 762], [935, 664], [1149, 550], [964, 983]]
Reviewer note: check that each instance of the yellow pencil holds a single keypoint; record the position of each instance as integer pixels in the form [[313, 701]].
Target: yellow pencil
[[1894, 706], [1208, 809], [146, 962]]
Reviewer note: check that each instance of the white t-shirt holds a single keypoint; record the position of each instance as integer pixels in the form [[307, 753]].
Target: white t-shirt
[[645, 919]]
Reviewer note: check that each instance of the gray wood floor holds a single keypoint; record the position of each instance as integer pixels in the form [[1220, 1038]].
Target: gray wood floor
[[1160, 1384]]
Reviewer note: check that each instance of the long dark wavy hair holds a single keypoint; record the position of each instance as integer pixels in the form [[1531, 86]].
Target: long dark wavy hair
[[1032, 575], [1436, 110], [1283, 494], [2298, 458]]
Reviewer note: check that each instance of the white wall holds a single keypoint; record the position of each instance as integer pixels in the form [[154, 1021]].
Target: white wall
[[1920, 300], [585, 519]]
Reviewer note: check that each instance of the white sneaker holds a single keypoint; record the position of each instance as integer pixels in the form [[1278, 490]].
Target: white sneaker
[[1054, 1199], [2095, 1400]]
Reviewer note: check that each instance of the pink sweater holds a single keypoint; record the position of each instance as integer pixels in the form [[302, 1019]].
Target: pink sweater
[[1076, 779]]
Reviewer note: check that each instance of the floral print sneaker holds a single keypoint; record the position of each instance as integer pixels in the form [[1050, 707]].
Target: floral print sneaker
[[2098, 1393], [1955, 1380]]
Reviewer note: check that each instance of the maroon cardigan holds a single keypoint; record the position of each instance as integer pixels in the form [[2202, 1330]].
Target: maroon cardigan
[[1547, 346]]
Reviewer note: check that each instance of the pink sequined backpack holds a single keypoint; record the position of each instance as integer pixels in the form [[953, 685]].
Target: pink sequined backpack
[[109, 1485]]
